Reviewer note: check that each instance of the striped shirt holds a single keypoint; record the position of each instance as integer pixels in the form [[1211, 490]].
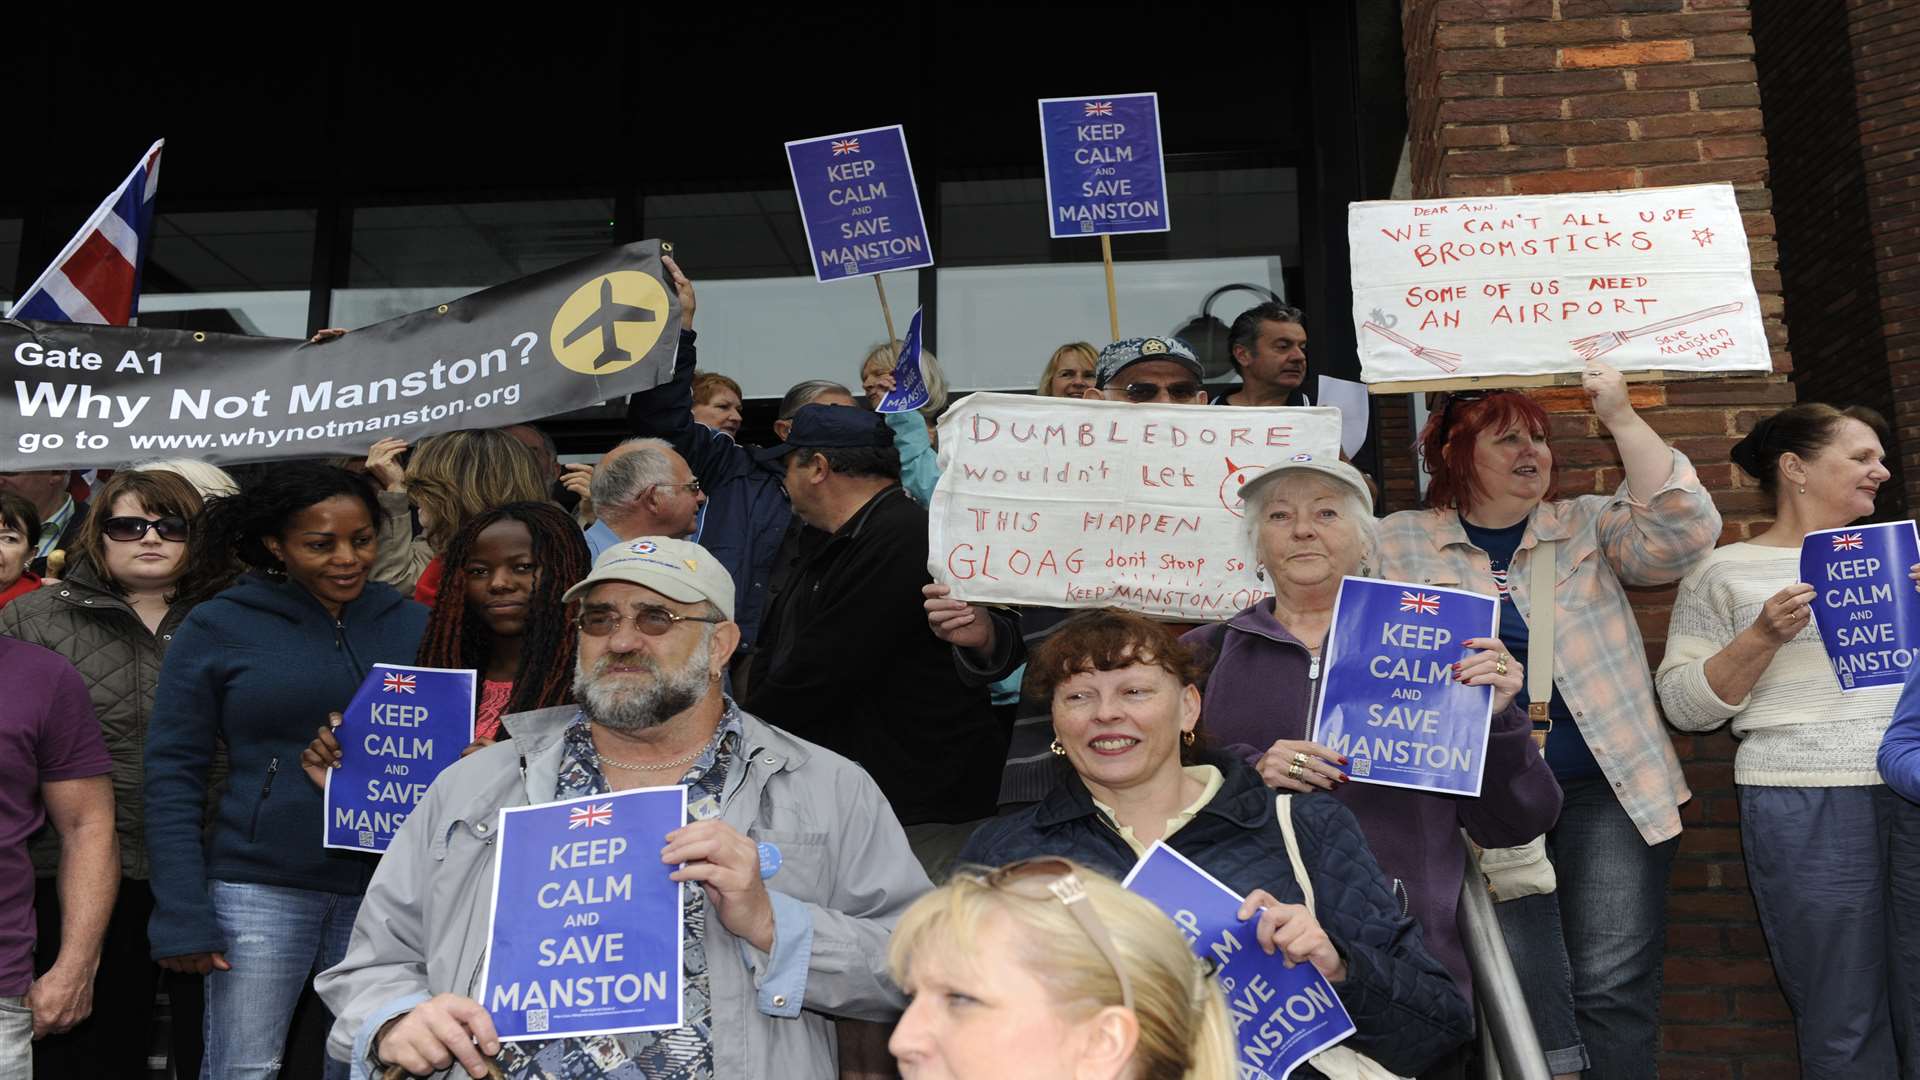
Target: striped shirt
[[1796, 728], [1600, 661]]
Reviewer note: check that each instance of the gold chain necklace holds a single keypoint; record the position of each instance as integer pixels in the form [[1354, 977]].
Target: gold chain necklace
[[661, 767]]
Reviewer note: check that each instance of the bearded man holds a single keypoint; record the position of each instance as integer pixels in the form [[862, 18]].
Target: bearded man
[[799, 868]]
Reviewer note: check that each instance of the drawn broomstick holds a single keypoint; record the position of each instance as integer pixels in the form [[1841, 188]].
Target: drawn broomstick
[[1596, 345], [1445, 361]]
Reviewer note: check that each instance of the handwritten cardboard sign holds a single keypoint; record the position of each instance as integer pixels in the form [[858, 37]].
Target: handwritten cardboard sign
[[1105, 169], [859, 204], [1649, 279], [1863, 602], [1282, 1015], [586, 930], [1388, 700], [1070, 503], [404, 726]]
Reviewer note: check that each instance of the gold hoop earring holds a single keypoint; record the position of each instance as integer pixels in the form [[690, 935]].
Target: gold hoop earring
[[1187, 737]]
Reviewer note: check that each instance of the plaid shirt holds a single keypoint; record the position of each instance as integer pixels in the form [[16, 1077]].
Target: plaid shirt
[[1600, 661]]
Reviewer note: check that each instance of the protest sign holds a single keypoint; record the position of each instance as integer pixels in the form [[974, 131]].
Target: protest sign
[[1388, 700], [858, 203], [1105, 169], [81, 396], [586, 925], [1863, 603], [1071, 503], [1529, 285], [910, 390], [1281, 1015], [404, 726]]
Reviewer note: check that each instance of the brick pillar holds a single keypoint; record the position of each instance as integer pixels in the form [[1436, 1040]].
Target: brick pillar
[[1511, 97]]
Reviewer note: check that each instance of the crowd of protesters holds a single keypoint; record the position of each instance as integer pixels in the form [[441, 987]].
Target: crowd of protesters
[[955, 788]]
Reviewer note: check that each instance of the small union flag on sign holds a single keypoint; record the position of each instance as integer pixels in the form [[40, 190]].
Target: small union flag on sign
[[590, 815], [1848, 542], [846, 146], [1099, 108], [397, 683], [1424, 603]]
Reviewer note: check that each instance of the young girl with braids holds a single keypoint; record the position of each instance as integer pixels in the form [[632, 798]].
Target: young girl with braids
[[507, 621]]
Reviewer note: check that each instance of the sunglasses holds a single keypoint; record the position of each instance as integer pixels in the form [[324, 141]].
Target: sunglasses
[[1065, 885], [651, 621], [1139, 392], [129, 529], [1465, 397]]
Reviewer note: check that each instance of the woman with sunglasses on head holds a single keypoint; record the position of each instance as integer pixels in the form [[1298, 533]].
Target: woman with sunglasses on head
[[1007, 980], [254, 902], [1588, 953], [112, 616], [1124, 703]]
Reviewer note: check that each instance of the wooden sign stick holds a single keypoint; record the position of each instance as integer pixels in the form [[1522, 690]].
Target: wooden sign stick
[[1113, 304], [885, 311]]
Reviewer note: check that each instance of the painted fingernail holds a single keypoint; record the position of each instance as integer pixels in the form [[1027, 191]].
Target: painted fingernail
[[1344, 761]]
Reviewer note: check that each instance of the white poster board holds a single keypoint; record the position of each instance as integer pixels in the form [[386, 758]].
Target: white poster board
[[1065, 503], [1649, 279]]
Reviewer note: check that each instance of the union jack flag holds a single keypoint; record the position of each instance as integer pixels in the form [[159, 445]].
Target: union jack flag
[[1424, 603], [397, 683], [846, 146], [590, 815], [1099, 108], [96, 277], [1848, 542]]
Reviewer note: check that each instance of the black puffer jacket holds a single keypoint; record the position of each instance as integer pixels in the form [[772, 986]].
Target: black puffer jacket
[[1406, 1012], [86, 621]]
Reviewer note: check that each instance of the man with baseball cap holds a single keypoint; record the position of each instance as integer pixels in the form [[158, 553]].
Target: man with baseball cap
[[845, 656], [800, 866], [1149, 369]]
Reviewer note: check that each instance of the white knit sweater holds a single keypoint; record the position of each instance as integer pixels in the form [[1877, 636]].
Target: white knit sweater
[[1796, 729]]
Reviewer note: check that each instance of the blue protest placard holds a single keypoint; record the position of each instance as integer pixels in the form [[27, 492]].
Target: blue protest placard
[[586, 924], [1281, 1015], [858, 203], [910, 390], [1863, 601], [1388, 700], [404, 726], [1105, 169]]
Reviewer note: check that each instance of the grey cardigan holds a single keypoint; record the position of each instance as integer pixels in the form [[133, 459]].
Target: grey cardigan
[[845, 877]]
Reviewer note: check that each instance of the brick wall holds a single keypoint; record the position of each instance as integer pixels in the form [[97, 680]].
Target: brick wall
[[1838, 83], [1540, 96]]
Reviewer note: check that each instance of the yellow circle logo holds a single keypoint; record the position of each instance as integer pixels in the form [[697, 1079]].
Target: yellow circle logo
[[609, 323]]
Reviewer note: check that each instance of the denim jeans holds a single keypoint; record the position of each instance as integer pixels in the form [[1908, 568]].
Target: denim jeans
[[16, 1039], [277, 939], [1531, 927], [1836, 878]]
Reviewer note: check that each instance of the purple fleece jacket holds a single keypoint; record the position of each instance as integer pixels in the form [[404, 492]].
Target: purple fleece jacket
[[1258, 690]]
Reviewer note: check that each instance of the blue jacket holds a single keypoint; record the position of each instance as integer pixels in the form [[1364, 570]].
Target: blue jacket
[[1900, 746], [1406, 1012], [258, 668], [747, 509]]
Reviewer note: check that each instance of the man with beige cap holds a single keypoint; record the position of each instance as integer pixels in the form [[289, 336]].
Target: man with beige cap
[[801, 866]]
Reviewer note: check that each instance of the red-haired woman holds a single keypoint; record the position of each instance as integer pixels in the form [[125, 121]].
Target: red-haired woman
[[1490, 503]]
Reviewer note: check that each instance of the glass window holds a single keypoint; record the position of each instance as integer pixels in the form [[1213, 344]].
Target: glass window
[[236, 272], [763, 319], [1009, 295], [406, 258]]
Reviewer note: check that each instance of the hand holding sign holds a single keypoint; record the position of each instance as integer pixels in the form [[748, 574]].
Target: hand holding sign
[[1606, 392], [1291, 931], [683, 288], [1300, 766], [727, 866], [956, 622], [1492, 666], [322, 753], [1785, 614]]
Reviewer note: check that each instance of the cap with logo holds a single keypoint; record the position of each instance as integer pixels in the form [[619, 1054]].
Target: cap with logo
[[676, 569], [832, 427], [1120, 354], [1328, 466]]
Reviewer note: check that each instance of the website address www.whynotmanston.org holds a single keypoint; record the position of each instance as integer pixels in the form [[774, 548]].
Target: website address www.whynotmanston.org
[[270, 438]]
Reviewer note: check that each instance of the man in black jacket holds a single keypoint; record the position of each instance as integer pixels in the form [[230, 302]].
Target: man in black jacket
[[846, 658]]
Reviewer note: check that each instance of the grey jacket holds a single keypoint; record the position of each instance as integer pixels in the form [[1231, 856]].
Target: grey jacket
[[845, 877]]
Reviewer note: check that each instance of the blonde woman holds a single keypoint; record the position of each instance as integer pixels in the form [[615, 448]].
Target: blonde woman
[[1069, 371], [451, 479], [1008, 980]]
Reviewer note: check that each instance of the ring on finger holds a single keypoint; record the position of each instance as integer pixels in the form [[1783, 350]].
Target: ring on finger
[[1299, 758], [1500, 664], [1294, 770]]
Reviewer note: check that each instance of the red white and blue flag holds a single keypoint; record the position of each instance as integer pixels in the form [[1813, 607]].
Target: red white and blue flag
[[845, 146], [1848, 542], [1424, 603], [1099, 108], [590, 815], [395, 683], [96, 278]]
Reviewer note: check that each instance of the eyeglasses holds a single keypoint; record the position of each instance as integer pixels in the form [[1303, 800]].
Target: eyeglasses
[[1466, 397], [692, 486], [1067, 887], [651, 621], [1139, 392], [128, 529]]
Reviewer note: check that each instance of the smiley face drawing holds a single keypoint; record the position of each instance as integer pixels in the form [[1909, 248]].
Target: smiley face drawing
[[1236, 478]]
